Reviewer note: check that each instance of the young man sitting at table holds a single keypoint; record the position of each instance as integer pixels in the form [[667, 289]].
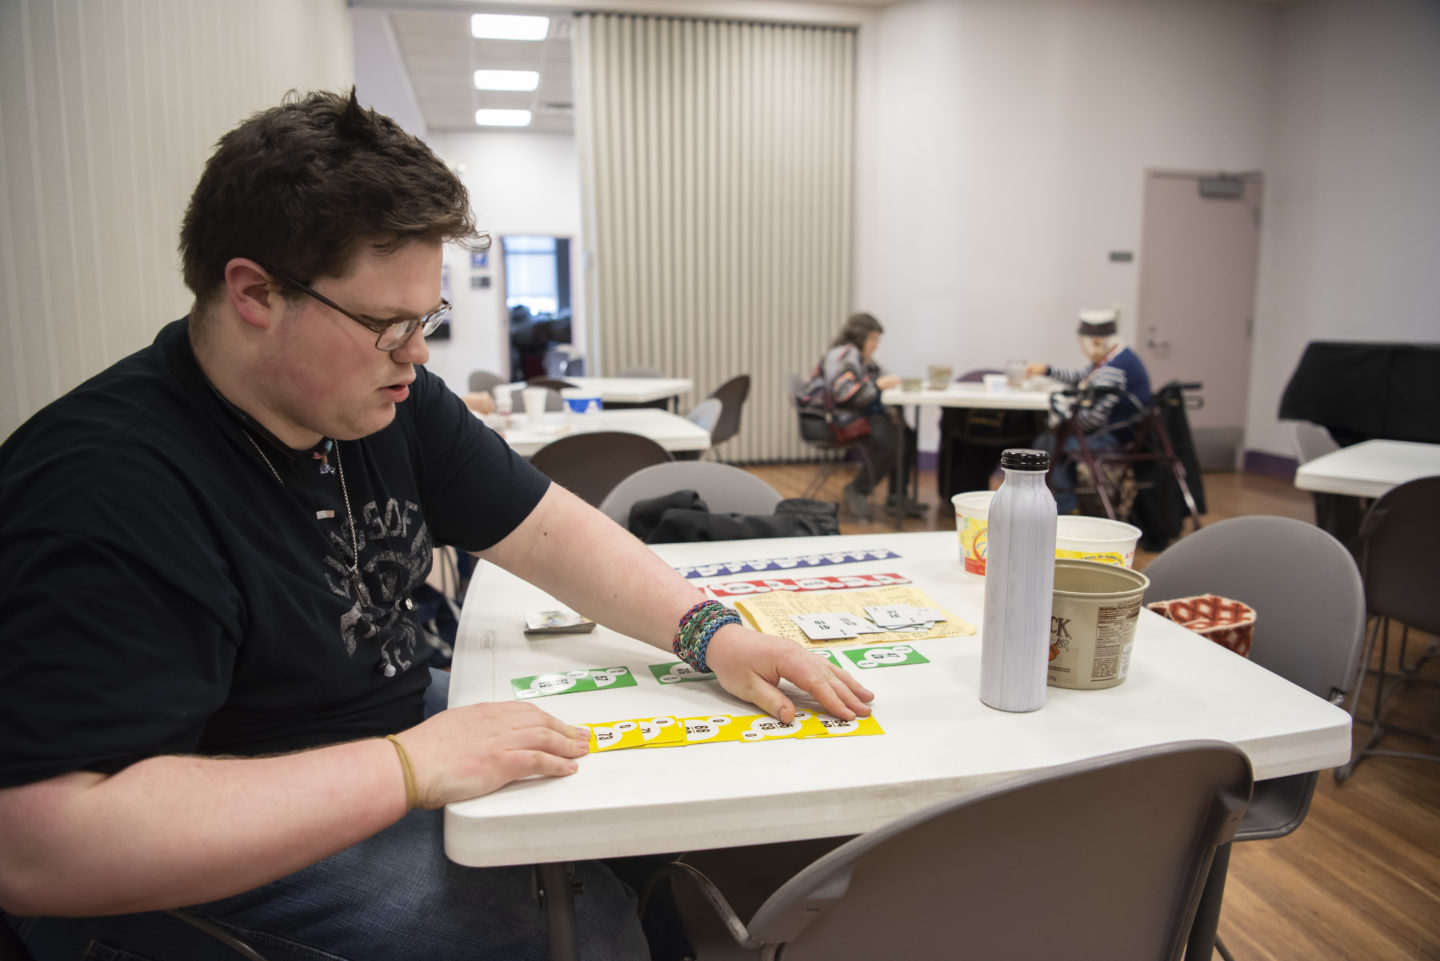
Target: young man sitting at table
[[206, 558], [1112, 364]]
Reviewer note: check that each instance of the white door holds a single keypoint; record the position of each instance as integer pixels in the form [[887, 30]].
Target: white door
[[1199, 254]]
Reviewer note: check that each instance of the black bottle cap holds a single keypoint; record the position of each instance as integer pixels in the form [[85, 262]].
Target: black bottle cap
[[1020, 458]]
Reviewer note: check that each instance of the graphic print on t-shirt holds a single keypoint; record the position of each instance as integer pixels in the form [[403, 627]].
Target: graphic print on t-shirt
[[395, 551]]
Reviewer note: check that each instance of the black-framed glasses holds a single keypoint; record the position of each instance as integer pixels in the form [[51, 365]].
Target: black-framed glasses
[[389, 334]]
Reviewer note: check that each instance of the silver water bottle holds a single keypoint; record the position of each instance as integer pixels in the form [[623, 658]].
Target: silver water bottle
[[1019, 585]]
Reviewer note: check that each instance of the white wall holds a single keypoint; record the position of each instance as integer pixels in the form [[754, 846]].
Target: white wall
[[518, 184], [381, 80], [1012, 141], [1351, 239], [107, 114]]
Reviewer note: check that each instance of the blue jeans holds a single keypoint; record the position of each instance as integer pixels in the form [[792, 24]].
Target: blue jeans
[[1062, 478], [392, 897]]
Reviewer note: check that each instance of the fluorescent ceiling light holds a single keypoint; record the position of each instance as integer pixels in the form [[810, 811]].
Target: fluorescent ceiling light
[[494, 26], [486, 117], [506, 79]]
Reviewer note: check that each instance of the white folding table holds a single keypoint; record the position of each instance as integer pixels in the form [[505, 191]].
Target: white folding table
[[633, 390], [670, 431], [939, 740], [1369, 469]]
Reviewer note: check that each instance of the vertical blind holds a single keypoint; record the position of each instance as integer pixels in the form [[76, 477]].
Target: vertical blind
[[107, 113], [717, 163]]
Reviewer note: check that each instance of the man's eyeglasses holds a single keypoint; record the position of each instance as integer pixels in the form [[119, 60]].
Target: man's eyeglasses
[[390, 334]]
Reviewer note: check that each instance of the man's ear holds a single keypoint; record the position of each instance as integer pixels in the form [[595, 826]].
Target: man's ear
[[252, 293]]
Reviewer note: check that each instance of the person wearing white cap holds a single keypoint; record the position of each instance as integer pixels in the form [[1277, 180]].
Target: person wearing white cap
[[1105, 423]]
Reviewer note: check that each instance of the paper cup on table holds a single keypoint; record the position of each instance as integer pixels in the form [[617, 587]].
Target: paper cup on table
[[535, 398], [972, 518], [912, 385], [1015, 373], [1096, 539], [937, 376], [994, 383], [1092, 623]]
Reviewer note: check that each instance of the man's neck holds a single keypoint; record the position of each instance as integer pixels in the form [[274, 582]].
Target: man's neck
[[223, 368]]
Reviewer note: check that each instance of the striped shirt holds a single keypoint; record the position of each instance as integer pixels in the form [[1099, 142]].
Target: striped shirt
[[1120, 369]]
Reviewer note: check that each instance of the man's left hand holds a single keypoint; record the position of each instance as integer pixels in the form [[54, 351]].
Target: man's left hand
[[750, 665]]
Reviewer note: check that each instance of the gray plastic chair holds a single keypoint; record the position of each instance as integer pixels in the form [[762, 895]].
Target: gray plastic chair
[[1101, 859], [706, 413], [725, 489], [1311, 441], [591, 464], [815, 434], [485, 380], [1309, 624], [732, 395], [1402, 583]]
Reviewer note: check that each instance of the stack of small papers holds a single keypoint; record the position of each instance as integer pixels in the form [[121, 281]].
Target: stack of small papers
[[902, 618], [557, 622], [894, 613]]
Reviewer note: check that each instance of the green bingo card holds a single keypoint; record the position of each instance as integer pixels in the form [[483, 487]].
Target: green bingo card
[[572, 682], [893, 655]]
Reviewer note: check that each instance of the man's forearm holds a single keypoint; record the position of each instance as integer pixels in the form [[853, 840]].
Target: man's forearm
[[582, 558], [177, 830]]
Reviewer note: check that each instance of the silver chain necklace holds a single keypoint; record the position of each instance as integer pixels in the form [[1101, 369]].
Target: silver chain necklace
[[361, 592]]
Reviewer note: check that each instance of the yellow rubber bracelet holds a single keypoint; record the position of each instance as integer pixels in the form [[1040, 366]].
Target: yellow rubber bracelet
[[412, 794]]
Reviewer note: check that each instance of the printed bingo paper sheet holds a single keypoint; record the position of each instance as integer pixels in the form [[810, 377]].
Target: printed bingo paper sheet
[[783, 613], [572, 682], [717, 728]]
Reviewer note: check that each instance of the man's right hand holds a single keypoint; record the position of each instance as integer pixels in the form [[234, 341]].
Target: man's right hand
[[469, 751]]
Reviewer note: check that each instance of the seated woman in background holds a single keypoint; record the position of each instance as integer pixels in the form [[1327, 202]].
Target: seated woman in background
[[1105, 423], [846, 384]]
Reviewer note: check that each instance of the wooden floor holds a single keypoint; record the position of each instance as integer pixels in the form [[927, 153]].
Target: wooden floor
[[1360, 879]]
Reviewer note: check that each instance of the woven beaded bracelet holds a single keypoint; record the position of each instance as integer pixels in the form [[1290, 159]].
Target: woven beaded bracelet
[[697, 627]]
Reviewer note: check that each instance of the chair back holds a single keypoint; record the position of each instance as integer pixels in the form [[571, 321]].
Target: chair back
[[706, 414], [725, 489], [485, 380], [1303, 584], [1312, 441], [975, 376], [1398, 538], [731, 395], [1101, 859], [591, 464]]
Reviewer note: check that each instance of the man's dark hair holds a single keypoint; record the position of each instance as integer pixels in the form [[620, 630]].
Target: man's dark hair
[[301, 186], [856, 329]]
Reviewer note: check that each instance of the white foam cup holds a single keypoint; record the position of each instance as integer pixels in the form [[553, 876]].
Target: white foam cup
[[535, 398]]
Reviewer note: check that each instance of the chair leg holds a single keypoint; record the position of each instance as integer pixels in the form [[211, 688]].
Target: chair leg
[[1398, 680]]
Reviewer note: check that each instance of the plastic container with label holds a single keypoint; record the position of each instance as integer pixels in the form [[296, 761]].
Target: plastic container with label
[[972, 514], [1096, 539]]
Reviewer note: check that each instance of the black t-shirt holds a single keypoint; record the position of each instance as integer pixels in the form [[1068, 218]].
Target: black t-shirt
[[163, 591]]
